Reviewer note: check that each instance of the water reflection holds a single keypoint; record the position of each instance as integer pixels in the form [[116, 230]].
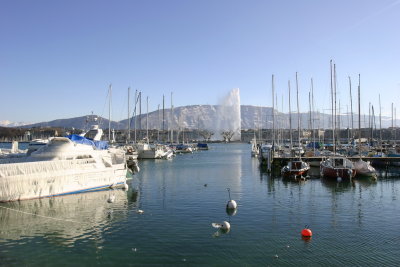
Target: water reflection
[[65, 219], [335, 186]]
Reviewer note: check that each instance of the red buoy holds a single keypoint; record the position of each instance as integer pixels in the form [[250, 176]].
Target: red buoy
[[306, 232]]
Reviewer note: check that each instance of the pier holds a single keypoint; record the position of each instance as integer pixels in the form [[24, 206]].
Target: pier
[[382, 161]]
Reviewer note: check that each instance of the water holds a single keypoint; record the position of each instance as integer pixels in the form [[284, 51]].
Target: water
[[352, 223], [21, 145]]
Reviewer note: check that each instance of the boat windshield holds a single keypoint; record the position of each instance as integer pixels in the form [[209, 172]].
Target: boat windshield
[[91, 134]]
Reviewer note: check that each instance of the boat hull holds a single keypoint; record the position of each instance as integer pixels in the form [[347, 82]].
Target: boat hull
[[331, 172], [150, 154], [31, 180], [294, 174]]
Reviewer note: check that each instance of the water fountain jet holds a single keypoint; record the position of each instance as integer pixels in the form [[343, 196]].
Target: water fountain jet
[[228, 125]]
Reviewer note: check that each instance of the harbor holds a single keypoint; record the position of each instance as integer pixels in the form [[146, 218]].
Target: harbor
[[182, 197], [199, 133]]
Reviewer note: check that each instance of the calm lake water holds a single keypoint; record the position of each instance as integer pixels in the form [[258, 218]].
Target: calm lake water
[[353, 223]]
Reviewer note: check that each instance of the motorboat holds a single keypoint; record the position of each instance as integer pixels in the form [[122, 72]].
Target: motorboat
[[202, 146], [147, 151], [66, 165], [168, 152], [266, 152], [364, 169], [337, 167], [183, 148], [295, 169]]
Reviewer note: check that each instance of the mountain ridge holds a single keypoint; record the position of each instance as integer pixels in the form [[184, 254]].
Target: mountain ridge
[[206, 116]]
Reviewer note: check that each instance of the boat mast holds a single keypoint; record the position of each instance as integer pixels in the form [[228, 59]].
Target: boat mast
[[273, 114], [380, 121], [109, 114], [310, 119], [136, 99], [282, 125], [313, 112], [129, 121], [351, 106], [158, 124], [373, 122], [259, 124], [163, 113], [147, 120], [348, 125], [140, 112], [277, 124], [369, 124], [333, 123], [338, 124], [392, 122], [172, 121], [298, 110], [337, 140], [290, 122], [359, 116]]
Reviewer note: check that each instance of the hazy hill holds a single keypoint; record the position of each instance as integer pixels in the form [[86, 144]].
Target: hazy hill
[[206, 116], [77, 123]]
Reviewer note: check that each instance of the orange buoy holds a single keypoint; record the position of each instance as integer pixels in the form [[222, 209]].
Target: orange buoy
[[306, 232]]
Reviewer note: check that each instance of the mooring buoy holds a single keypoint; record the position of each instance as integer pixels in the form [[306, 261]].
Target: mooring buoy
[[306, 232], [231, 203]]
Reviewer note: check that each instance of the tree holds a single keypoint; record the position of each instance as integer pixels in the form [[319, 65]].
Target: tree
[[206, 134], [227, 135]]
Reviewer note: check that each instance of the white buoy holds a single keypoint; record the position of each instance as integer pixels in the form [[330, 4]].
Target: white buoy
[[223, 226], [231, 203], [339, 179]]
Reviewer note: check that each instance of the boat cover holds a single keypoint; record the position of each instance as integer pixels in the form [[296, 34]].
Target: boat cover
[[202, 145], [101, 145], [316, 145]]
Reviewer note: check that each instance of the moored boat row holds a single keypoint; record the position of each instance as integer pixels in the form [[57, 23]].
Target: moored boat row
[[74, 164]]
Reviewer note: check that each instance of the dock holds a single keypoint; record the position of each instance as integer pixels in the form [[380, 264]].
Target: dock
[[381, 161]]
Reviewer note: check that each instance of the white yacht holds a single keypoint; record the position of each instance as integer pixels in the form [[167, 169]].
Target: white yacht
[[147, 151], [63, 166]]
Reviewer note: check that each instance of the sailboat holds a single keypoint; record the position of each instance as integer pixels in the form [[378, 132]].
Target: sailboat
[[148, 151], [296, 167], [363, 168], [255, 148], [337, 167]]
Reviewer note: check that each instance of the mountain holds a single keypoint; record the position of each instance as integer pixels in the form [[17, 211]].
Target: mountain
[[210, 117], [7, 123], [77, 123]]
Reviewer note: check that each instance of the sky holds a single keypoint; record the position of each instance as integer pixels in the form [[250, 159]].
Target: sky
[[58, 58]]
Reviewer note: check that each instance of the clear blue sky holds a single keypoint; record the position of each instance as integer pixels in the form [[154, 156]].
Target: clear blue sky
[[57, 58]]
